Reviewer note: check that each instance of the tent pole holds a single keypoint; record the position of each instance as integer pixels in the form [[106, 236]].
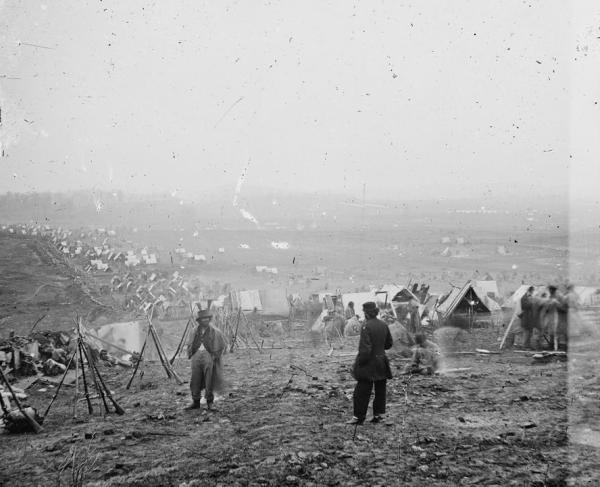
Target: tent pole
[[512, 320]]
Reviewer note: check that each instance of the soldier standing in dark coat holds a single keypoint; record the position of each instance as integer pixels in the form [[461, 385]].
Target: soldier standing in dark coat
[[371, 367], [527, 316]]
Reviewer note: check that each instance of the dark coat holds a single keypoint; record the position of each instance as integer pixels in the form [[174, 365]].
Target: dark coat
[[213, 340], [527, 312], [371, 362]]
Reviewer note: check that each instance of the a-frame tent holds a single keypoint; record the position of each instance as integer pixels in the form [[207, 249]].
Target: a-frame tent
[[393, 297], [398, 294], [466, 300]]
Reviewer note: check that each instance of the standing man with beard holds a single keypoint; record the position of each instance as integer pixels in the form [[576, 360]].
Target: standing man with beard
[[371, 367]]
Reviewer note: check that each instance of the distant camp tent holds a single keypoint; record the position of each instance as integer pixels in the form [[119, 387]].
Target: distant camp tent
[[280, 245], [274, 302], [468, 300], [219, 302], [398, 294], [246, 300], [267, 302], [392, 296]]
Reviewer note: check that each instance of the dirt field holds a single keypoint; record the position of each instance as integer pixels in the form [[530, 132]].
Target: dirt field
[[281, 421]]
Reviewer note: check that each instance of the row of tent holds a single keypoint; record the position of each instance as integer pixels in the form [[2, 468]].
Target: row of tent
[[385, 297], [475, 297]]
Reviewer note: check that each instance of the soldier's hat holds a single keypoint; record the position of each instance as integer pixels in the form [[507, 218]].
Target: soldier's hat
[[202, 313]]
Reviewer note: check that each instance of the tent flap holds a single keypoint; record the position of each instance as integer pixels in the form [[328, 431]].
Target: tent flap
[[274, 302]]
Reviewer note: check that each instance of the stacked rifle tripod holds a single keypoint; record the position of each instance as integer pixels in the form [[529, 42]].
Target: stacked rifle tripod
[[152, 336], [83, 358], [84, 352]]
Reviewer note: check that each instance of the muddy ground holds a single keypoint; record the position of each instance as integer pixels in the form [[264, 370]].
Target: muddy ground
[[281, 421]]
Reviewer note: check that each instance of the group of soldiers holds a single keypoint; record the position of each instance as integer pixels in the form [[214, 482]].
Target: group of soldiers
[[545, 315]]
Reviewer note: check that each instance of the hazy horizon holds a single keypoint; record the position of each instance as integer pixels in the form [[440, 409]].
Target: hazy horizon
[[436, 100]]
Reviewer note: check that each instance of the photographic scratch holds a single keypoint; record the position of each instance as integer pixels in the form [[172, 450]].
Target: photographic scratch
[[35, 45], [227, 111]]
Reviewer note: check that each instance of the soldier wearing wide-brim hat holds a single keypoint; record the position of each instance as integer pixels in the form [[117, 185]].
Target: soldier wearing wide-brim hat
[[371, 367], [205, 351]]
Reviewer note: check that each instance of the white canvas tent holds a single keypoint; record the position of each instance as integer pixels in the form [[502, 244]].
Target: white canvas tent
[[397, 293], [274, 302], [468, 299], [123, 336], [247, 300]]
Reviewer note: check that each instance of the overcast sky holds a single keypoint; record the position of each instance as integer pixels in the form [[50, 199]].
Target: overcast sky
[[415, 99]]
